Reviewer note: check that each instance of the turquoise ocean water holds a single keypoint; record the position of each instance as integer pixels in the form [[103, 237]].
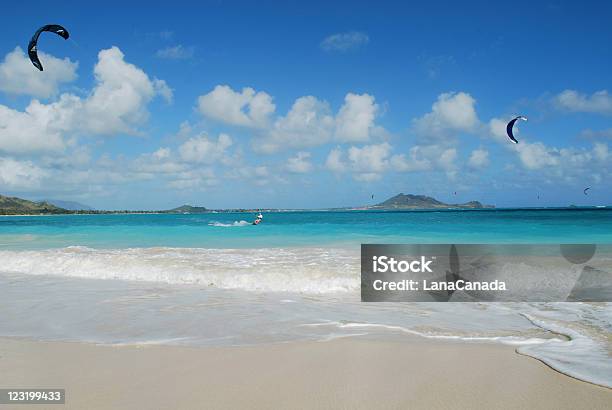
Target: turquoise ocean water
[[308, 228]]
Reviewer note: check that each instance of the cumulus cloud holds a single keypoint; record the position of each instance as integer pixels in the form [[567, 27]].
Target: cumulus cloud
[[335, 161], [563, 161], [259, 175], [158, 162], [369, 162], [310, 122], [452, 112], [370, 158], [162, 88], [178, 52], [416, 160], [117, 104], [355, 120], [600, 151], [497, 129], [600, 102], [118, 101], [246, 108], [201, 149], [366, 163], [39, 128], [18, 75], [193, 179], [300, 163], [537, 155], [348, 41], [20, 175], [447, 159], [479, 159]]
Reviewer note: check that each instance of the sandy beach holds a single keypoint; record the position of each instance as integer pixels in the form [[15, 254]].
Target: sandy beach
[[356, 374]]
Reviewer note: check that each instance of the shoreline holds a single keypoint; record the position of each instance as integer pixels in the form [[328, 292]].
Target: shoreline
[[349, 209], [346, 373]]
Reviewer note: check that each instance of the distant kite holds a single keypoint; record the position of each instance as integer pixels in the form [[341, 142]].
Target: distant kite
[[33, 45], [586, 189], [510, 125]]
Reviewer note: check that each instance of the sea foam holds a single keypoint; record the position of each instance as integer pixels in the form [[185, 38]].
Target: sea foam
[[309, 270]]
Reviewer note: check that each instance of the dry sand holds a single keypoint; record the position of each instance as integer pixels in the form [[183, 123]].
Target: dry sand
[[341, 374]]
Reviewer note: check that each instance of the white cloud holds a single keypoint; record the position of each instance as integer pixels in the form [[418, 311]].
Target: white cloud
[[118, 101], [195, 178], [367, 176], [39, 128], [563, 161], [300, 164], [201, 149], [600, 151], [370, 158], [366, 163], [247, 108], [19, 76], [351, 40], [537, 155], [162, 88], [159, 162], [259, 175], [479, 159], [497, 128], [19, 175], [335, 160], [415, 161], [162, 153], [447, 159], [599, 102], [451, 112], [178, 52], [308, 123], [369, 162], [117, 104], [355, 120]]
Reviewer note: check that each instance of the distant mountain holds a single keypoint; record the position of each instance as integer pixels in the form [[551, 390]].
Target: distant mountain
[[18, 206], [69, 205], [187, 209], [409, 201]]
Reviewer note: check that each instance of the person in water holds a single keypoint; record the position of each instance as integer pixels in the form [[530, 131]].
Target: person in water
[[258, 219]]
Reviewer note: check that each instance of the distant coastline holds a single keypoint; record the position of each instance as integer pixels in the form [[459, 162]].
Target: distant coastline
[[19, 206], [13, 206]]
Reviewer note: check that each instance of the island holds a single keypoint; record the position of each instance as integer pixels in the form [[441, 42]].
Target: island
[[409, 201]]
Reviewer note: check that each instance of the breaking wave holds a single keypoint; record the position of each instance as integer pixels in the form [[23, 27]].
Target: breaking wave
[[302, 270], [226, 225]]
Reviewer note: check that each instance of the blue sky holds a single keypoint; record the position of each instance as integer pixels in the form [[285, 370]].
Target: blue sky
[[306, 104]]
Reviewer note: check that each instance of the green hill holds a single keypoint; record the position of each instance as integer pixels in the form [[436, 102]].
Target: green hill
[[409, 201], [187, 209], [18, 206]]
